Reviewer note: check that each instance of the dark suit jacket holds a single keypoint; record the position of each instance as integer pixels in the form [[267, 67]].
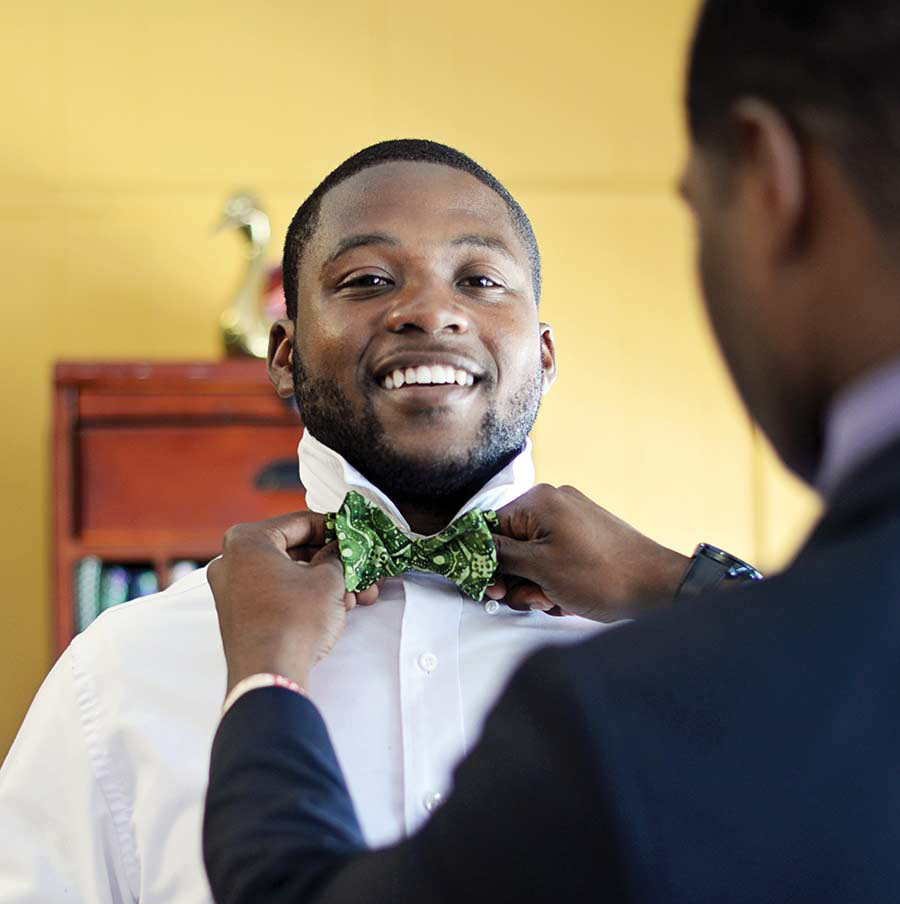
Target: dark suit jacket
[[739, 749]]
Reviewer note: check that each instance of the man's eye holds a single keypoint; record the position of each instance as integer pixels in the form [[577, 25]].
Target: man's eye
[[366, 281], [480, 282]]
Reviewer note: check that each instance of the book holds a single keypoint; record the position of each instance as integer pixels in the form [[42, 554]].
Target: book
[[113, 586], [143, 582], [182, 568], [87, 591]]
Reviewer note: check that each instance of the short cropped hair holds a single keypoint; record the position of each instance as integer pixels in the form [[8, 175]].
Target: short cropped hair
[[306, 219], [831, 68]]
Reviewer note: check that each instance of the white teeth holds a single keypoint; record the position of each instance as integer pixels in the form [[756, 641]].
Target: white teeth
[[425, 375]]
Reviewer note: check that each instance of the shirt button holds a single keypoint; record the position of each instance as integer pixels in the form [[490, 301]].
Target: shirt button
[[428, 662], [491, 606], [432, 801]]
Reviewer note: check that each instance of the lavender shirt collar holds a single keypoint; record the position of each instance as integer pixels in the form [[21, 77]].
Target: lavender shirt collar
[[863, 419]]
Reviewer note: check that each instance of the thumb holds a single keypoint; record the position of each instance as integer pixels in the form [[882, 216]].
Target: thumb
[[521, 558], [328, 557]]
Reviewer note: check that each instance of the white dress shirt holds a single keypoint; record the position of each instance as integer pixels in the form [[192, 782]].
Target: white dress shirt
[[101, 795]]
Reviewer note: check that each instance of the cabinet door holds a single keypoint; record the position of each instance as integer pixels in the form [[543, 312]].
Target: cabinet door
[[184, 477]]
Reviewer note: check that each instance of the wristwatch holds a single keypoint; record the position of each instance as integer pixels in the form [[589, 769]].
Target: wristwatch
[[712, 568]]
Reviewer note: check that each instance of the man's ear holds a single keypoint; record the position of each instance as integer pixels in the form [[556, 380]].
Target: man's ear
[[280, 358], [774, 172], [548, 356]]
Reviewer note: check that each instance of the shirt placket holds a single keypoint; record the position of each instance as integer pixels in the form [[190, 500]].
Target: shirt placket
[[431, 712]]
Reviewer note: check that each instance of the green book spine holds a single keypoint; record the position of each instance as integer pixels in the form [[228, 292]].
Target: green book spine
[[87, 591], [143, 583]]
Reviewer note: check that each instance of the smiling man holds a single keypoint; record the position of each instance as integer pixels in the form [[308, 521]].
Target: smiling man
[[415, 351]]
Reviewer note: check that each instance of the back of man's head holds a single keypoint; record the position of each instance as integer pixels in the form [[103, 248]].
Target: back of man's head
[[830, 67]]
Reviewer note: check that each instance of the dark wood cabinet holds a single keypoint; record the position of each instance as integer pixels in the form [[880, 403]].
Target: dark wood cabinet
[[152, 462]]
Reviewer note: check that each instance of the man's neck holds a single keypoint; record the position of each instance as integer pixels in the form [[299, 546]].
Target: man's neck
[[428, 518], [328, 476]]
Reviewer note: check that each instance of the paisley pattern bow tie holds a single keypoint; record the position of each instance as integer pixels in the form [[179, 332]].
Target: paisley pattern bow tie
[[373, 547]]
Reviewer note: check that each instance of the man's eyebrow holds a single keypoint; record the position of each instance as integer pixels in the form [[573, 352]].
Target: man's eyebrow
[[485, 241], [358, 241]]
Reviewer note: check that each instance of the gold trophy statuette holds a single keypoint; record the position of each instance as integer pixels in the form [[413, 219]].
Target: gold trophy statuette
[[245, 328]]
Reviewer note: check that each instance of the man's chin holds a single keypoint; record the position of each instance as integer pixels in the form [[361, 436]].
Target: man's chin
[[424, 411], [430, 467], [428, 450]]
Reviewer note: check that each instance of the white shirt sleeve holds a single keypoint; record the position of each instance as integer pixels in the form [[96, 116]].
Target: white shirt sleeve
[[63, 825]]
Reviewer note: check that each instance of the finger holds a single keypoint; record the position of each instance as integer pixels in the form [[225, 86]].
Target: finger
[[296, 529], [513, 516], [529, 596], [522, 558], [497, 590], [518, 607], [327, 555], [303, 553], [524, 518], [368, 596]]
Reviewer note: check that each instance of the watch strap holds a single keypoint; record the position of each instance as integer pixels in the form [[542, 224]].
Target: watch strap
[[712, 568]]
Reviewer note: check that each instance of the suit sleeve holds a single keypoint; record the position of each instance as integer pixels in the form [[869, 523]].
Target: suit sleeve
[[61, 838], [529, 819]]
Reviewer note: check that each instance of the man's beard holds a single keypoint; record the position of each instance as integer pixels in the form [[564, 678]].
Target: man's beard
[[360, 438]]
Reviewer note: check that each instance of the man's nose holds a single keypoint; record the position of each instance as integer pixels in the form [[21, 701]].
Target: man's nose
[[430, 312]]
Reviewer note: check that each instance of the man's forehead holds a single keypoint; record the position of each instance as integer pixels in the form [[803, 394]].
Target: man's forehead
[[410, 196]]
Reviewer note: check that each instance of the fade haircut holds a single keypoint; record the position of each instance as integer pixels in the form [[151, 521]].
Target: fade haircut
[[417, 150], [830, 67]]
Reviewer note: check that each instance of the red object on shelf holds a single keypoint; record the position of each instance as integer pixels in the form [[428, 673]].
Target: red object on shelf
[[152, 462]]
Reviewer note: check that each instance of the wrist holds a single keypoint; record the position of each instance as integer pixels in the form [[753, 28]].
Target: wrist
[[257, 681], [293, 662], [290, 672], [663, 580]]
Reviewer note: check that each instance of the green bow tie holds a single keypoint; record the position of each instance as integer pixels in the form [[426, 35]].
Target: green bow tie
[[373, 547]]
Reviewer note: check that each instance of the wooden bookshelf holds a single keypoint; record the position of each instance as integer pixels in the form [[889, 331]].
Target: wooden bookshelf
[[152, 462]]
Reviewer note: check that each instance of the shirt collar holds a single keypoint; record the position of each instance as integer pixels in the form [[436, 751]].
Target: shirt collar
[[862, 420], [328, 477]]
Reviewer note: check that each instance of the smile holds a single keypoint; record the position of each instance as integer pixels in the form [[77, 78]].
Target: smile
[[427, 375]]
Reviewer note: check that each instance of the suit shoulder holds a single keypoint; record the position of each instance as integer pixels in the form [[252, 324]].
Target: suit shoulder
[[786, 643]]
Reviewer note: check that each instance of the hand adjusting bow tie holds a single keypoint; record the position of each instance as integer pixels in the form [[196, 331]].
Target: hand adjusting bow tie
[[372, 547]]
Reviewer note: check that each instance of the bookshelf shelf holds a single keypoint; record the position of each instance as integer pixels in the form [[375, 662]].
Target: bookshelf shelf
[[152, 462]]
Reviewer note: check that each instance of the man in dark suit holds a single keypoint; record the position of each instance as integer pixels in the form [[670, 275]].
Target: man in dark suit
[[738, 747]]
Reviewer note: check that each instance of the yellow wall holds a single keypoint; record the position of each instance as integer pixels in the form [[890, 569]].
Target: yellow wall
[[127, 124]]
